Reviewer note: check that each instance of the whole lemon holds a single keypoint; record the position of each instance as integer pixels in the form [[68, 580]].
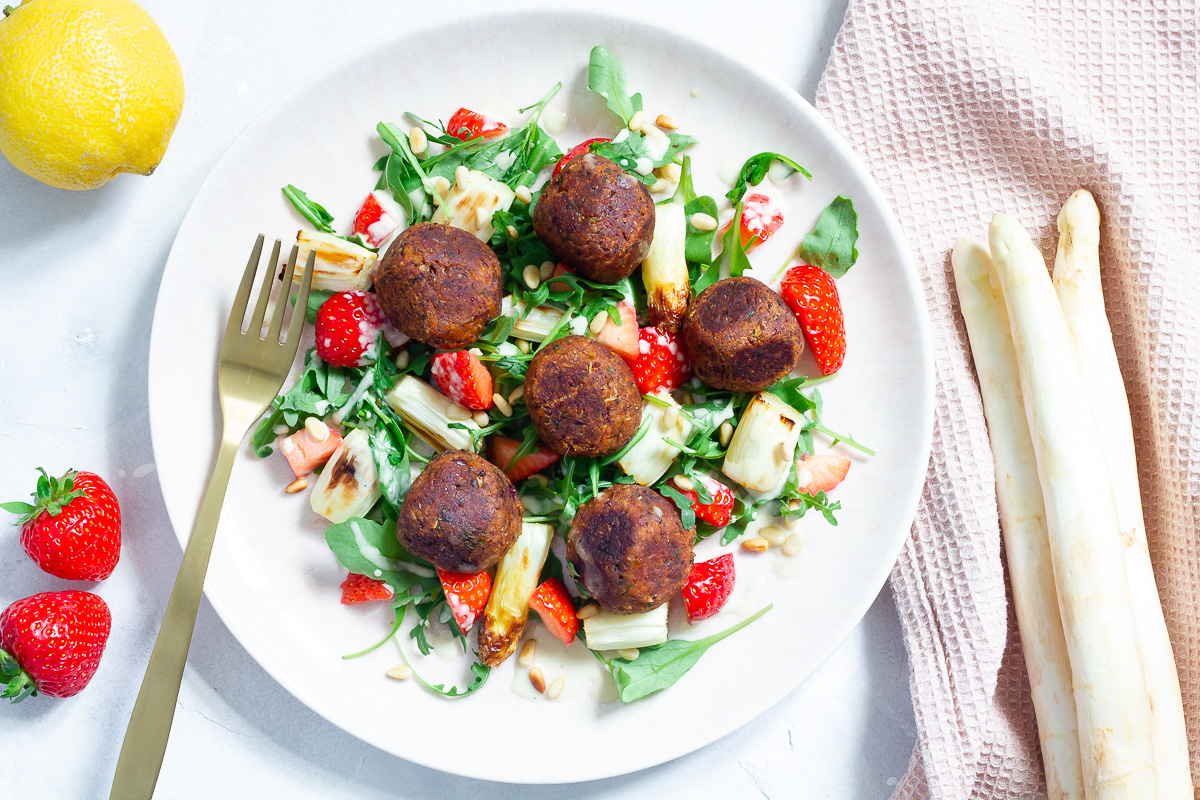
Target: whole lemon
[[88, 89]]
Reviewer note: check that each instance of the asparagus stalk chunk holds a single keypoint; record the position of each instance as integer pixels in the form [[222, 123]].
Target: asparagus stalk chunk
[[1112, 706], [1022, 518], [664, 270], [516, 579], [1077, 282]]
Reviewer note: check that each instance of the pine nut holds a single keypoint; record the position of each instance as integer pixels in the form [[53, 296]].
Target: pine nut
[[793, 545], [629, 653], [537, 679], [685, 483], [774, 534], [556, 688], [523, 346], [458, 413], [637, 120], [659, 186], [703, 222], [516, 394], [475, 351], [502, 405], [695, 93], [402, 359], [531, 276], [512, 232], [528, 652], [524, 195], [546, 270], [598, 322], [298, 485], [588, 611], [481, 418], [725, 433], [672, 172], [400, 673], [461, 176], [418, 142], [756, 545], [317, 429], [669, 123]]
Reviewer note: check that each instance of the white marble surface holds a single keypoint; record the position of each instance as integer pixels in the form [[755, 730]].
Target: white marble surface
[[78, 278]]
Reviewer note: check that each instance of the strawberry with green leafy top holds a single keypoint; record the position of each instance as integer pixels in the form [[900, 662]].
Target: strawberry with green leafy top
[[73, 528], [51, 643]]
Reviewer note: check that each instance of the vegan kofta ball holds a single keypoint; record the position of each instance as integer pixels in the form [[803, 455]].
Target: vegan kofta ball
[[741, 336], [582, 398], [630, 549], [596, 218], [461, 513], [440, 285]]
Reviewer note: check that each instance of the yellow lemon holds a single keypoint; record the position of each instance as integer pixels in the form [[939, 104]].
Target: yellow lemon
[[88, 89]]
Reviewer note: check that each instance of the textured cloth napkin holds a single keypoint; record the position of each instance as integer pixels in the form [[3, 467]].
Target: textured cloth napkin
[[962, 109]]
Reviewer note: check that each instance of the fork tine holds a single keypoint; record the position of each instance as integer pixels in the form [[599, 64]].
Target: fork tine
[[299, 313], [281, 306], [264, 294], [243, 293]]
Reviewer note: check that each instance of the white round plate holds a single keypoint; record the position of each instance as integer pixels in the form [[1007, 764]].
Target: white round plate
[[273, 580]]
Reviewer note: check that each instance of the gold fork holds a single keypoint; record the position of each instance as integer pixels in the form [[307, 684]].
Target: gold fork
[[250, 373]]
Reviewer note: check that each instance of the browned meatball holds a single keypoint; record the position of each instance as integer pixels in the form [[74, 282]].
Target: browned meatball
[[595, 218], [741, 336], [630, 549], [461, 513], [582, 398], [440, 285]]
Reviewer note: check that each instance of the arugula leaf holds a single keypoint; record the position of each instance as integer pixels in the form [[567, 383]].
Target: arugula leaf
[[739, 262], [313, 212], [631, 151], [660, 666], [392, 463], [681, 501], [606, 77], [316, 299], [756, 168], [366, 547], [308, 397], [479, 671], [830, 245]]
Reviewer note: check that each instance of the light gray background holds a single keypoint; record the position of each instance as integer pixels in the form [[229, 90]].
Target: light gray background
[[78, 277]]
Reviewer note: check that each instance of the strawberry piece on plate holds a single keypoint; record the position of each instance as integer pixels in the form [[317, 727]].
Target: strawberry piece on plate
[[347, 326], [760, 219], [708, 587], [661, 361], [466, 124], [466, 593], [720, 509], [553, 604], [821, 472], [304, 453], [812, 296], [377, 219], [51, 643], [621, 339], [503, 450], [361, 589], [577, 150], [463, 378]]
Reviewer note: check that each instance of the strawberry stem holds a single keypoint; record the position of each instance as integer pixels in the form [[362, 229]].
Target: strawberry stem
[[18, 683], [51, 495]]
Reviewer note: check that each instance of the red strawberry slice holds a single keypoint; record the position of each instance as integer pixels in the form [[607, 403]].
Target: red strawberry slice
[[463, 378], [503, 450], [347, 326], [553, 604], [377, 219], [708, 587], [577, 150], [661, 361], [621, 339], [361, 589], [466, 594], [466, 124], [720, 509], [822, 472], [73, 528], [51, 643], [812, 296], [560, 269], [760, 219]]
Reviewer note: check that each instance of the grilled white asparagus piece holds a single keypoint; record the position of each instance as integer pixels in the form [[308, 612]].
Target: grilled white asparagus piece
[[340, 266], [1022, 518], [516, 579], [429, 414], [349, 484], [536, 325], [652, 455], [664, 269], [764, 443], [1077, 282], [1111, 703], [608, 631], [471, 204]]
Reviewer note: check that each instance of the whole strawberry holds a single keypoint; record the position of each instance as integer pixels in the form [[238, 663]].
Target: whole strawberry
[[51, 643], [73, 529]]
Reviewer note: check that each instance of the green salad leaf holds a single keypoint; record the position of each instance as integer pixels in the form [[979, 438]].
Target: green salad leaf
[[830, 245], [311, 211], [756, 168], [606, 77], [634, 153]]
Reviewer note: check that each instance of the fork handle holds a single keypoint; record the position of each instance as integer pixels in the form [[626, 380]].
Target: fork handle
[[146, 737]]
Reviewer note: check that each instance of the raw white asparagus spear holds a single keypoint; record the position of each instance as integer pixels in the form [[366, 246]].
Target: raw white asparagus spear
[[1111, 703], [1077, 281], [1022, 518]]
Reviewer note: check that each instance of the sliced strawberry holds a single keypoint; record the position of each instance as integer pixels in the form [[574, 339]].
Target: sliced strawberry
[[720, 509], [661, 361], [377, 219], [463, 378], [553, 604], [466, 593], [820, 473], [560, 269], [760, 219], [708, 587], [537, 460], [812, 296], [361, 589], [466, 124], [621, 339], [577, 150], [304, 453], [347, 325]]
